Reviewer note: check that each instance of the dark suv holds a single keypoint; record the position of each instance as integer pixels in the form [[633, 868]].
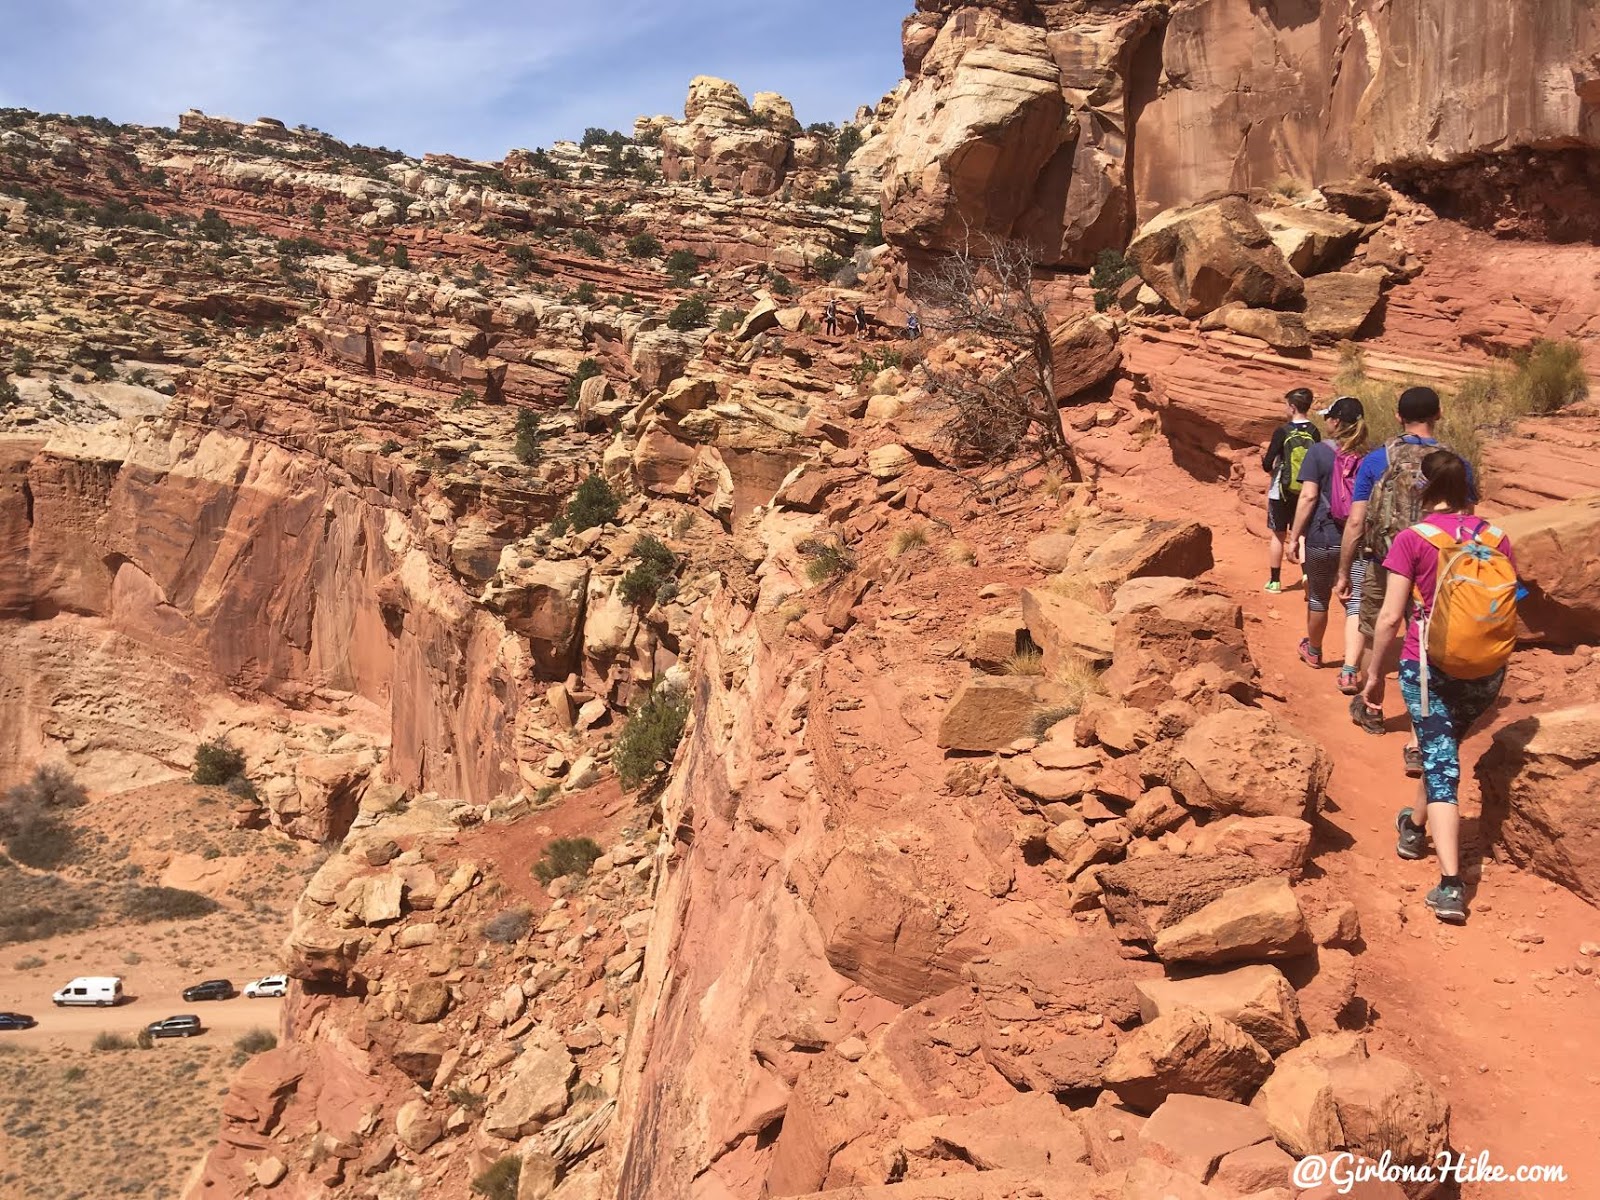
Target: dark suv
[[175, 1027], [11, 1020], [211, 989]]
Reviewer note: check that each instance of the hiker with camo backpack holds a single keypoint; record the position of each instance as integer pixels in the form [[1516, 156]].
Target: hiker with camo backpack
[[1285, 452], [1452, 580], [1327, 482], [1386, 499]]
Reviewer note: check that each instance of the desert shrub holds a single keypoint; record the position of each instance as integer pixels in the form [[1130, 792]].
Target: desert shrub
[[21, 361], [39, 840], [144, 1039], [499, 1180], [529, 437], [594, 503], [871, 364], [466, 399], [507, 927], [8, 393], [1550, 376], [31, 962], [644, 245], [587, 369], [216, 762], [585, 294], [654, 727], [588, 243], [106, 1040], [1111, 271], [912, 537], [1029, 660], [682, 265], [213, 226], [464, 1097], [566, 856], [831, 193], [849, 142], [49, 787], [730, 319], [827, 264], [656, 566], [165, 904], [251, 1043], [389, 446], [779, 283], [826, 559], [874, 234], [401, 257], [689, 313]]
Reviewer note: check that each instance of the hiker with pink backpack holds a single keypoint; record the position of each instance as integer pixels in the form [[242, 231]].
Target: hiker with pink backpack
[[1327, 483], [1452, 581]]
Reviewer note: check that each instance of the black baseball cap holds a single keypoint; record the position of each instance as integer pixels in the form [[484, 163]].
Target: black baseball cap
[[1418, 404], [1346, 410]]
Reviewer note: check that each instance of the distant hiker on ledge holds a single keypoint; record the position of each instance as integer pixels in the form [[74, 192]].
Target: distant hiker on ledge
[[862, 320], [1285, 453], [913, 326], [830, 318]]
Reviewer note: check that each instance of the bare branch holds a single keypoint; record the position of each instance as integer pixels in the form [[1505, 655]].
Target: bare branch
[[999, 389]]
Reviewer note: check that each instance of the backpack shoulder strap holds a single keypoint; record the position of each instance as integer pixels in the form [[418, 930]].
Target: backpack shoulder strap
[[1433, 535]]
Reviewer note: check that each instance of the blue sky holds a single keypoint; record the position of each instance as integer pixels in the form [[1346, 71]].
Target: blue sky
[[442, 75]]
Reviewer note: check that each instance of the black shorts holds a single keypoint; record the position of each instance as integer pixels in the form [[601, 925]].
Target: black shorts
[[1280, 514]]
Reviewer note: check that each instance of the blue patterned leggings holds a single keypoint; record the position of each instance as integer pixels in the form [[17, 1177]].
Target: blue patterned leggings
[[1454, 707]]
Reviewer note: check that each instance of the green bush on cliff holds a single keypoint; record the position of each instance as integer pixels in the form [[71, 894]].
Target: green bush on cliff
[[690, 313], [656, 566], [644, 245], [587, 369], [566, 856], [651, 735], [529, 437], [594, 503], [217, 762], [499, 1180], [1111, 271]]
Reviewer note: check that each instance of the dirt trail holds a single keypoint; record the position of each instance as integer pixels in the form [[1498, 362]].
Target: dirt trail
[[223, 1020], [1506, 1026]]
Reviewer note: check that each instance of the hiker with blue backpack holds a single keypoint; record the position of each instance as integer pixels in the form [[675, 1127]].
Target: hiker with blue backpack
[[1285, 454], [1327, 483], [1451, 579]]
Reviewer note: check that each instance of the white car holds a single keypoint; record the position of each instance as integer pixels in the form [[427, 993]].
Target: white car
[[267, 987]]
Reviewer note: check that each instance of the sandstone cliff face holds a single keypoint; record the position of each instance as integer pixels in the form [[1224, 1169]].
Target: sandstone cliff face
[[1063, 123]]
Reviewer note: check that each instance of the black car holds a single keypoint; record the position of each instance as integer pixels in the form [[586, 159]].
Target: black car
[[175, 1027], [211, 989], [10, 1020]]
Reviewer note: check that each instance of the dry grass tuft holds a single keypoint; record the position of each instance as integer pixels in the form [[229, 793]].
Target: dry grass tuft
[[1027, 661], [961, 554], [1073, 586], [912, 537], [1080, 678]]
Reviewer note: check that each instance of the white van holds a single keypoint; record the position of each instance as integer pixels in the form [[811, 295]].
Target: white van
[[102, 990]]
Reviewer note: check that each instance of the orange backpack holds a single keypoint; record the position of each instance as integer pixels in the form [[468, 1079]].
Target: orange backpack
[[1472, 628]]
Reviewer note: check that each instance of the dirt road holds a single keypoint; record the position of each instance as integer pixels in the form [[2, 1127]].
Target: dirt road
[[223, 1020]]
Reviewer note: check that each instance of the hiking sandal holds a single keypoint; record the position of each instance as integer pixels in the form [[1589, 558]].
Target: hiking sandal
[[1370, 719], [1350, 681], [1311, 658]]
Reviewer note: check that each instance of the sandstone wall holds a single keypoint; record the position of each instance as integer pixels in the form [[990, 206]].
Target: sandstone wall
[[241, 565], [1063, 123]]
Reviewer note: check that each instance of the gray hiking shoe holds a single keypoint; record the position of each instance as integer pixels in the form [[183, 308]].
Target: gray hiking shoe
[[1449, 903], [1413, 842]]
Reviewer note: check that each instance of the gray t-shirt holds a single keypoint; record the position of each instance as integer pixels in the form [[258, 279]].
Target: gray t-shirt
[[1317, 468]]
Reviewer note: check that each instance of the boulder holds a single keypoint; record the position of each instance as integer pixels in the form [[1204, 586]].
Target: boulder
[[1541, 795], [1282, 844], [1280, 330], [1255, 921], [1330, 1094], [535, 1093], [1106, 558], [1028, 775], [1242, 761], [1142, 896], [993, 640], [1206, 255], [1339, 304], [1358, 198], [1152, 591], [419, 1054], [1310, 241], [1325, 988], [889, 462], [427, 1000], [544, 602], [1255, 1169], [1083, 351], [1034, 1133], [988, 712], [1186, 1051], [1065, 629], [1050, 550], [660, 355], [1554, 546], [417, 1126], [1257, 998], [1157, 645], [1046, 1010], [1193, 1134]]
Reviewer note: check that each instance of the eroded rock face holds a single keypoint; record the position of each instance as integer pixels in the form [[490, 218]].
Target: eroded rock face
[[1541, 795]]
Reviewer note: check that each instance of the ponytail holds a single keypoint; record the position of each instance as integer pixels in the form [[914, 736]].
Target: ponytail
[[1354, 439]]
